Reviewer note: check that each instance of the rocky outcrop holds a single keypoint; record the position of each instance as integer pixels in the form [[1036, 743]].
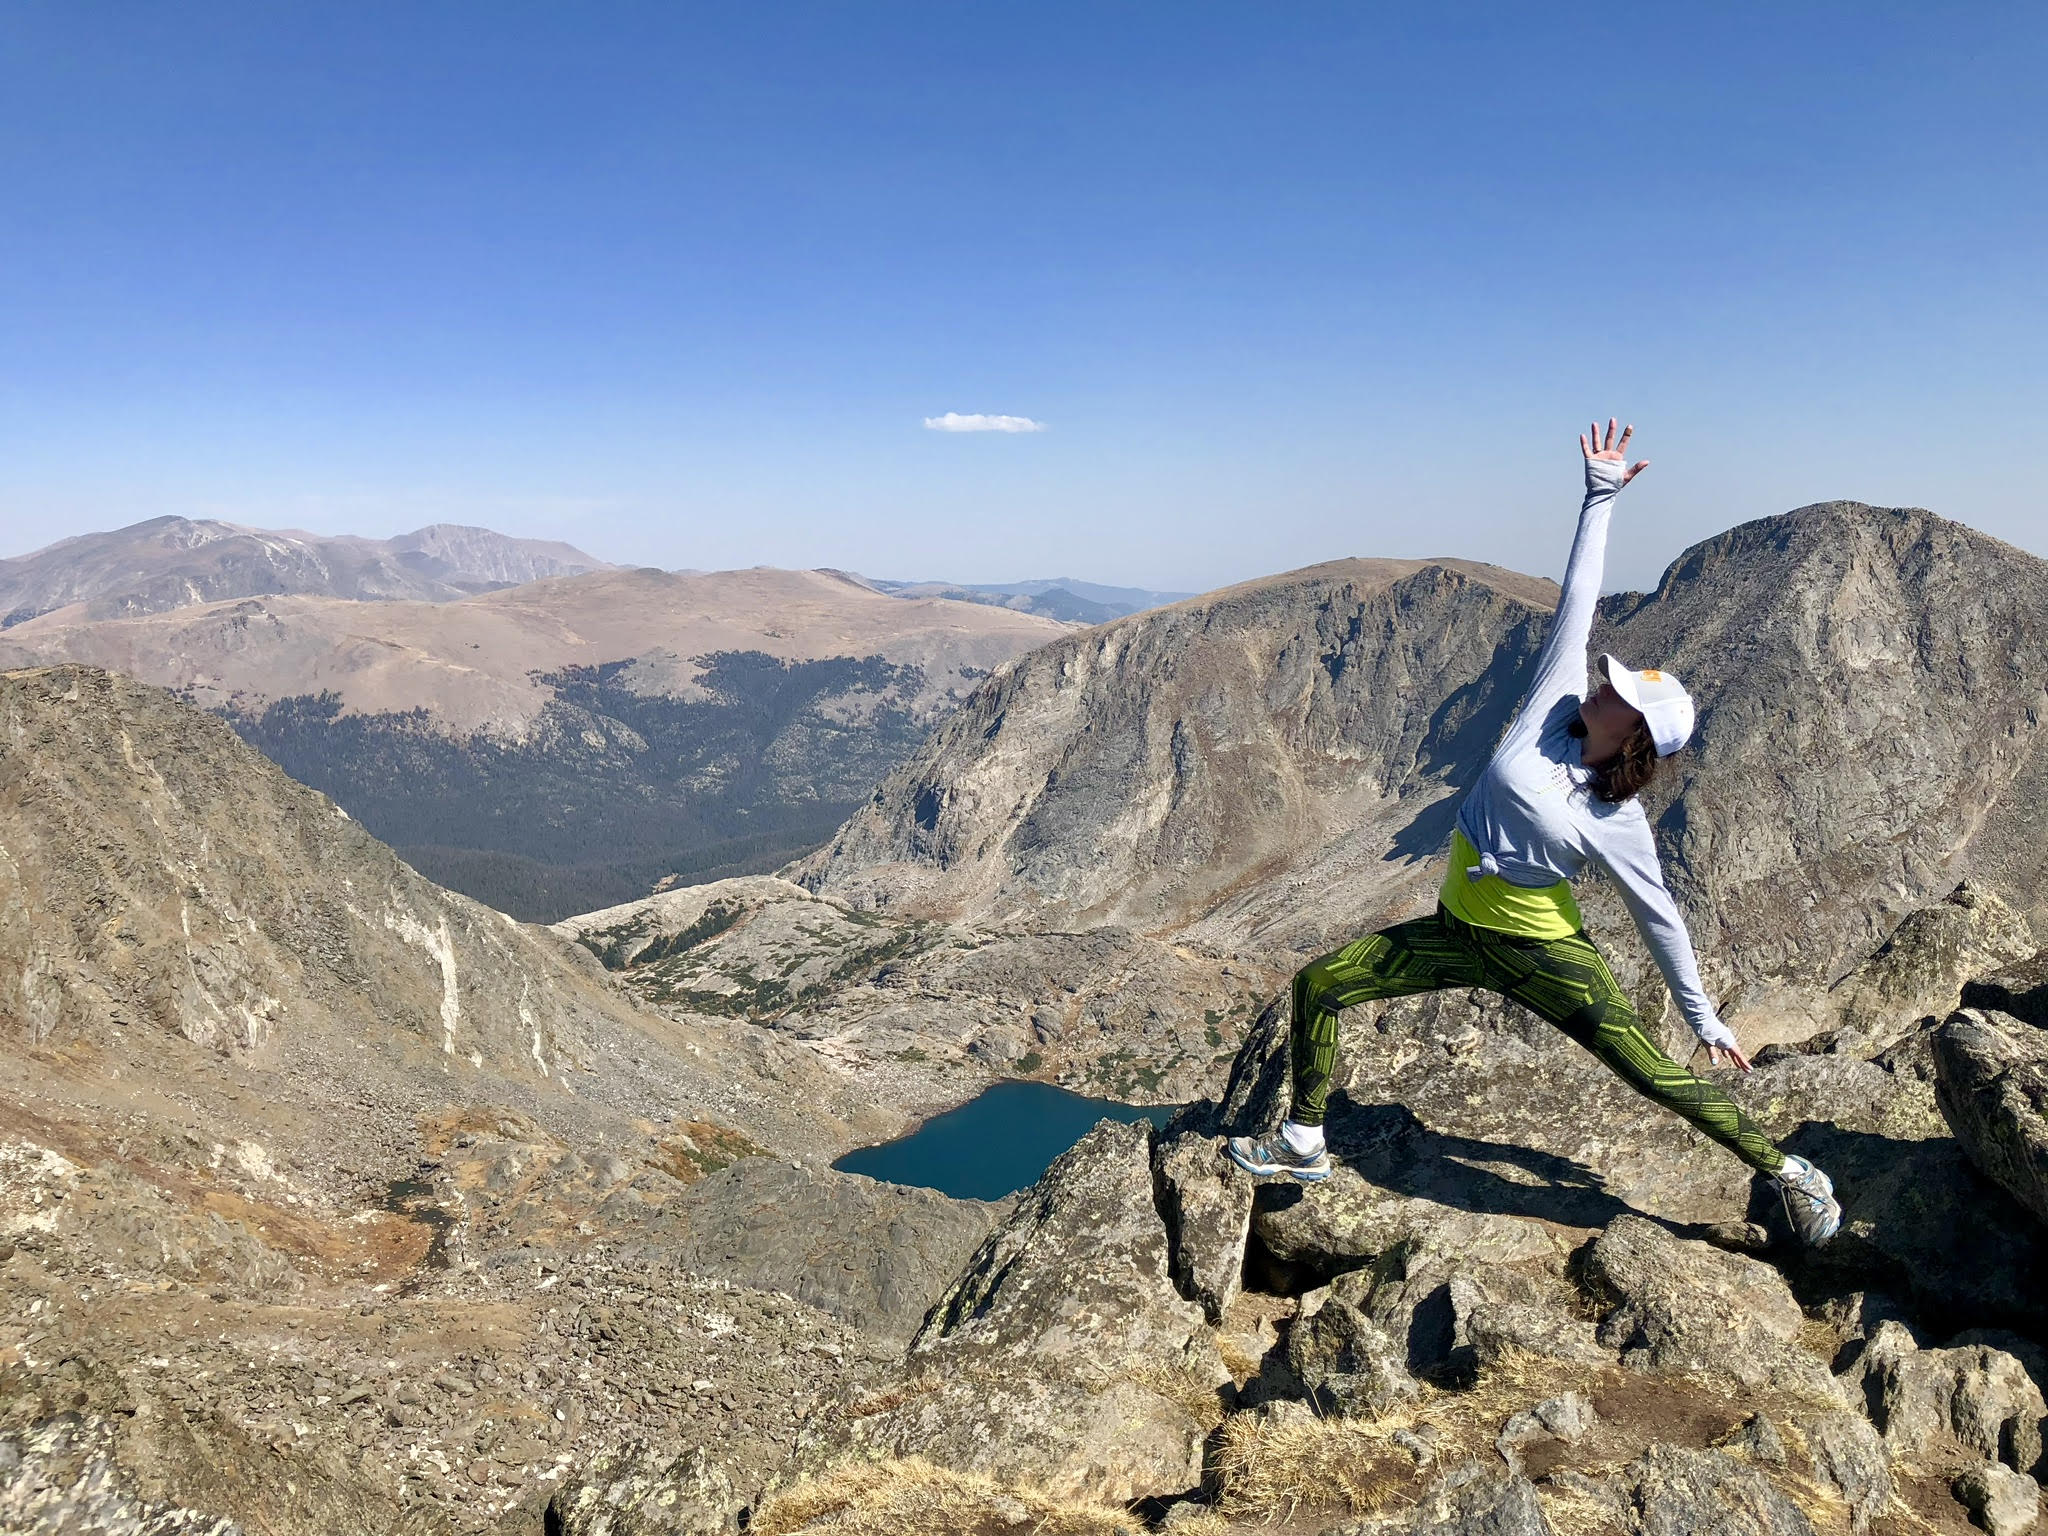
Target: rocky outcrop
[[1063, 1356], [1927, 1401], [1991, 1078], [877, 1255], [1921, 971], [1685, 1307]]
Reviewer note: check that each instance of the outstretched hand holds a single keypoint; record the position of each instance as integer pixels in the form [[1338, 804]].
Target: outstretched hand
[[1615, 452], [1728, 1056]]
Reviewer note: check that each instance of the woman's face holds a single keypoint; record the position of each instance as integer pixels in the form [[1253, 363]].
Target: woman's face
[[1607, 714]]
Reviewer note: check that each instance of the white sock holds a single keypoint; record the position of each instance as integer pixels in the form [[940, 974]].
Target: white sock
[[1302, 1140]]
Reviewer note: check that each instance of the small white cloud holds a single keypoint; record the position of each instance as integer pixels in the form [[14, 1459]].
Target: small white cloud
[[953, 421]]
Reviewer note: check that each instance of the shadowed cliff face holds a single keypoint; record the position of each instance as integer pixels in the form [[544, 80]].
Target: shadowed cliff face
[[1262, 765], [1280, 764]]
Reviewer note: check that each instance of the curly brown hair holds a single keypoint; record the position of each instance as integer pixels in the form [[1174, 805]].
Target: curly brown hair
[[1629, 772]]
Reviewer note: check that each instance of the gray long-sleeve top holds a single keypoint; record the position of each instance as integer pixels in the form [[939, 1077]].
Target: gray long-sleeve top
[[1531, 816]]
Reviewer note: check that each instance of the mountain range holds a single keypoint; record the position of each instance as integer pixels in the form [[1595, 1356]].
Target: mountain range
[[332, 1200], [171, 562], [572, 742]]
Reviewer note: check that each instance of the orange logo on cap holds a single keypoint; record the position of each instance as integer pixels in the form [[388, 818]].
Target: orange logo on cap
[[1652, 675]]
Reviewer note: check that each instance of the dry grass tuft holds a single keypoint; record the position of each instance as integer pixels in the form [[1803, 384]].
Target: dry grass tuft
[[1240, 1362], [1201, 1397], [1266, 1470], [911, 1497]]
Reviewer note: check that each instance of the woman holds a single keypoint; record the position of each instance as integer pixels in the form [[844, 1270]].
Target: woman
[[1559, 794]]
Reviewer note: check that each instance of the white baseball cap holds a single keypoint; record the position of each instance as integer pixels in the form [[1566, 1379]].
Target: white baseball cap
[[1658, 697]]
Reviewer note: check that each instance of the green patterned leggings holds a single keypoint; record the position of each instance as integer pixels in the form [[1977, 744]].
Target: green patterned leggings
[[1565, 980]]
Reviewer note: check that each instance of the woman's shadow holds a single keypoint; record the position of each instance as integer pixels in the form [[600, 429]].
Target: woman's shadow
[[1387, 1146]]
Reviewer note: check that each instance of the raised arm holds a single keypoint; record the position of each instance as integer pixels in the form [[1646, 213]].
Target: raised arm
[[1561, 667], [1628, 852]]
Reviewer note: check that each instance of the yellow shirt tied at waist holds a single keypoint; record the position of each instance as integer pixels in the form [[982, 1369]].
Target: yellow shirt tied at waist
[[1533, 912]]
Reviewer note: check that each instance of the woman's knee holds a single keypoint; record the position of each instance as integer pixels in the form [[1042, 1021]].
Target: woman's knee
[[1313, 984]]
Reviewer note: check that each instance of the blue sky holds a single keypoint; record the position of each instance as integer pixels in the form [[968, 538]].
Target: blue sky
[[681, 283]]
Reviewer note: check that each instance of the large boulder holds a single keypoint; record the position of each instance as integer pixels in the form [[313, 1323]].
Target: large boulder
[[2004, 1502], [1207, 1202], [1345, 1360], [1680, 1306], [1063, 1355], [1991, 1078], [1849, 1454], [1931, 1401], [1458, 1289], [1922, 968], [1679, 1492], [1469, 1500]]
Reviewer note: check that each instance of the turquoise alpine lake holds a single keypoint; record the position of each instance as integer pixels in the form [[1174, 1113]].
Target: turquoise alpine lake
[[996, 1143]]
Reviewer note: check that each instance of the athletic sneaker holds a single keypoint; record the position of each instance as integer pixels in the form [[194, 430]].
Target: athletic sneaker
[[1810, 1201], [1273, 1155]]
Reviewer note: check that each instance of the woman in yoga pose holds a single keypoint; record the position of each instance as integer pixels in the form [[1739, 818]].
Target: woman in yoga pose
[[1559, 794]]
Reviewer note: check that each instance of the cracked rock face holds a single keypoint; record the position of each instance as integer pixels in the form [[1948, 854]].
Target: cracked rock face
[[1063, 1354], [1679, 1306]]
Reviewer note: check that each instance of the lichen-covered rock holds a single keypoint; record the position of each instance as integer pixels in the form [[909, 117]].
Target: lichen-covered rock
[[1921, 969], [1674, 1305], [1469, 1500], [1460, 1286], [1207, 1202], [1848, 1453], [1991, 1078], [1345, 1361], [1677, 1492], [1063, 1354], [2004, 1502], [1977, 1397]]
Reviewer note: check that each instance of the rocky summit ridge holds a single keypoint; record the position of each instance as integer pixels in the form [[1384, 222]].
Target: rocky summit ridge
[[290, 1244]]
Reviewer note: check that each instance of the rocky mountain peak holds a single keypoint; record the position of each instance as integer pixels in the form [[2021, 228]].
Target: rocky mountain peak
[[1279, 764]]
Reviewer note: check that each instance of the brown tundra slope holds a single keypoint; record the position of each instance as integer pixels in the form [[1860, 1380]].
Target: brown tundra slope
[[331, 1200]]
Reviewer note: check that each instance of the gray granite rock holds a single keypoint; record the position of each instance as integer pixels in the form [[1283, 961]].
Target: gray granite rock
[[2004, 1502], [1677, 1492], [1849, 1454], [1673, 1305], [1977, 1397], [1469, 1500], [1346, 1363], [1207, 1202], [1992, 1082], [1062, 1354]]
